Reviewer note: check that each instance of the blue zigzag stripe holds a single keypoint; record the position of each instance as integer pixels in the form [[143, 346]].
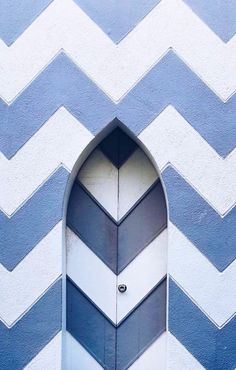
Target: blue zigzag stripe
[[17, 15], [218, 14], [214, 348], [117, 18], [172, 82], [214, 236], [62, 83], [33, 220], [20, 344], [116, 347]]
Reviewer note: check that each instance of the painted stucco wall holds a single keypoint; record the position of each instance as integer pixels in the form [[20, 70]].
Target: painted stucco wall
[[166, 70]]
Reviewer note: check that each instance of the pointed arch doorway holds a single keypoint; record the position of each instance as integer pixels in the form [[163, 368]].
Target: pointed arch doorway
[[116, 261]]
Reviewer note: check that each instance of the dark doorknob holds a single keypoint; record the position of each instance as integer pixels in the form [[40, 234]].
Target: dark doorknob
[[122, 288]]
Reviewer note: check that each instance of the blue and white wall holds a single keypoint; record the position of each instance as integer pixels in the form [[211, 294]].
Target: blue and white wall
[[166, 70]]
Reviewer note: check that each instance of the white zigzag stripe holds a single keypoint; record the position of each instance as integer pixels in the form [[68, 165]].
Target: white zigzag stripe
[[79, 359], [89, 265], [179, 358], [49, 358], [200, 279], [114, 68], [176, 142], [62, 139], [24, 285]]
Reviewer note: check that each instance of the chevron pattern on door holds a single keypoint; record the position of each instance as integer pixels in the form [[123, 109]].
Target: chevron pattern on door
[[116, 233]]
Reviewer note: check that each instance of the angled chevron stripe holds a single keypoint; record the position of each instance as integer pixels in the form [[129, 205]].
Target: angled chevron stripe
[[131, 240], [81, 98], [83, 317], [32, 221], [137, 174], [61, 18], [100, 233], [49, 357], [30, 334], [96, 174], [88, 264], [206, 54], [76, 355], [69, 86], [16, 16], [213, 235], [43, 265], [214, 348], [175, 142], [220, 16], [119, 18], [195, 43], [142, 274], [60, 141], [89, 327], [179, 358], [153, 356], [193, 100], [206, 284]]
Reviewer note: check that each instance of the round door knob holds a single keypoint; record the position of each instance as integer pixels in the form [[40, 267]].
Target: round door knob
[[122, 288]]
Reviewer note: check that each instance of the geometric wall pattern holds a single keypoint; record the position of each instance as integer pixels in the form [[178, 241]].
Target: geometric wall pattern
[[165, 71], [117, 233]]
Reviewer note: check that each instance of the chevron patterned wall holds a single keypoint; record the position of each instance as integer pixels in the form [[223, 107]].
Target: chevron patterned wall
[[165, 70]]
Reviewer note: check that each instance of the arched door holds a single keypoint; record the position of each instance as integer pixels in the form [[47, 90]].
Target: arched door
[[116, 261]]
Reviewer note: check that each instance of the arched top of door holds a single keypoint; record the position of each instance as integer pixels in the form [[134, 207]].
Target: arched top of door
[[115, 143]]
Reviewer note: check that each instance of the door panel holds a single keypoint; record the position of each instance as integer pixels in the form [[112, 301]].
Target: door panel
[[116, 234], [97, 230], [115, 348], [142, 275], [89, 272], [141, 225]]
